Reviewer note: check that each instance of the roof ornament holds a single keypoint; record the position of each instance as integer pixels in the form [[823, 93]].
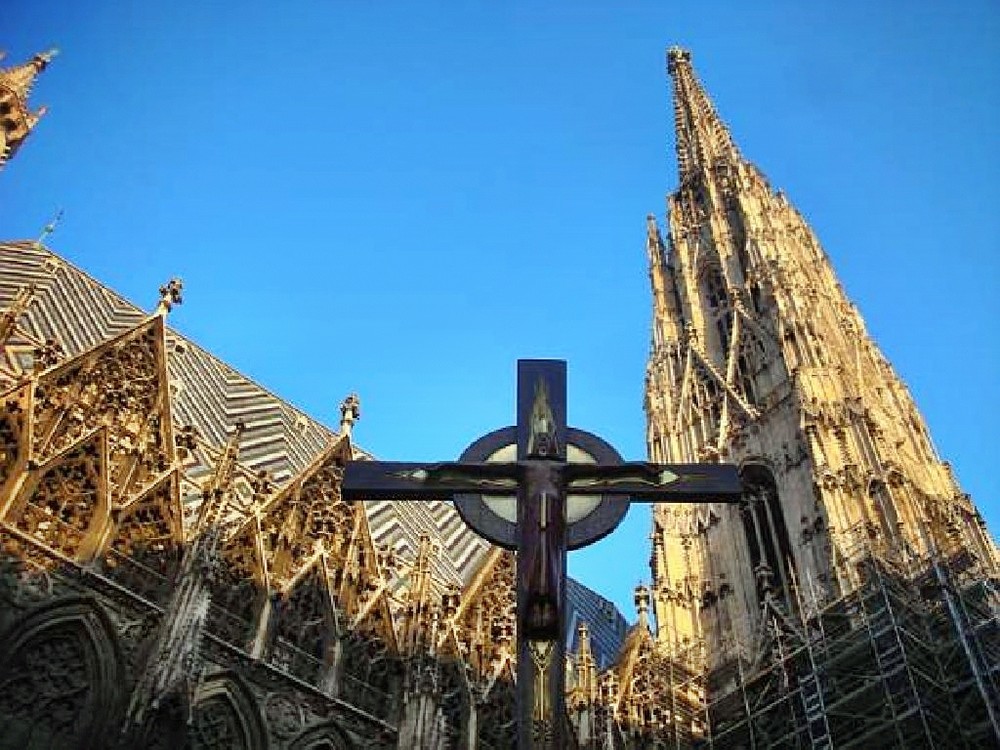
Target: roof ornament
[[350, 412], [20, 78], [170, 295], [49, 228], [642, 604], [675, 56], [16, 119]]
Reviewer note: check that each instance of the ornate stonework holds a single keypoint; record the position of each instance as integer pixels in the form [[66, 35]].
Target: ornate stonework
[[17, 120], [245, 599], [760, 359]]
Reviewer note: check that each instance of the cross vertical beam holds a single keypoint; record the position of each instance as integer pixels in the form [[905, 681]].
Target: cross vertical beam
[[543, 528], [541, 554]]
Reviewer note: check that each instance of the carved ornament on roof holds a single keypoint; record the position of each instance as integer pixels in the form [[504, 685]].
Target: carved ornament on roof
[[170, 295], [47, 355], [120, 385]]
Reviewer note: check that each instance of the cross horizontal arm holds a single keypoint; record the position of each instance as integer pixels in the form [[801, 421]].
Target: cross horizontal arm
[[395, 480], [663, 483]]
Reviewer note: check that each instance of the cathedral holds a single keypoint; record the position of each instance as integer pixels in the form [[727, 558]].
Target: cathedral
[[178, 567]]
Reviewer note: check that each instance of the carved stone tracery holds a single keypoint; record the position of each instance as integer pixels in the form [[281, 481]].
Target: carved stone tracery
[[121, 385], [65, 504]]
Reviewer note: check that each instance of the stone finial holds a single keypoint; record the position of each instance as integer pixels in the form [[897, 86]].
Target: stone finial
[[16, 119], [170, 295], [33, 118], [642, 603], [350, 412], [20, 78], [675, 56], [652, 228], [583, 641]]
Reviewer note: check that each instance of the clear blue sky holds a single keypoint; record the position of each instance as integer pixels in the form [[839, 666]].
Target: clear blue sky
[[403, 198]]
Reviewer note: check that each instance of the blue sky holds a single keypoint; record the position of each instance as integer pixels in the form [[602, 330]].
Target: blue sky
[[403, 198]]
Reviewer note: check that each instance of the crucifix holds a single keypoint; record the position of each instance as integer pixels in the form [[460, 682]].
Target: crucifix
[[541, 488]]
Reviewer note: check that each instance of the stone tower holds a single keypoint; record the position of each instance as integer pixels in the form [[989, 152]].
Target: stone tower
[[759, 358], [16, 119]]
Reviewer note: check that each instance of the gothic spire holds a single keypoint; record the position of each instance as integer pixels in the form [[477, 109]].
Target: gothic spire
[[774, 372], [16, 119], [702, 137], [20, 78], [665, 315]]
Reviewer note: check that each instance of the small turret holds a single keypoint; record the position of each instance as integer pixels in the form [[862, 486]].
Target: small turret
[[16, 119], [170, 295], [350, 412], [642, 605]]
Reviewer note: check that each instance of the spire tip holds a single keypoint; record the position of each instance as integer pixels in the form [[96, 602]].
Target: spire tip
[[675, 56]]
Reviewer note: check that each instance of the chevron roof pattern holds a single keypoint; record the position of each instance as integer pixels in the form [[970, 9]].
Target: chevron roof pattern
[[79, 313]]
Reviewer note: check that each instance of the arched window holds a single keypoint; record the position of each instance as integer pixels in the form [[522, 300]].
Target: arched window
[[714, 290], [225, 716], [767, 537], [304, 628], [59, 674], [326, 736]]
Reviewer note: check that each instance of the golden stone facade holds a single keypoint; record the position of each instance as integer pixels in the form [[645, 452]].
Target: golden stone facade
[[760, 359]]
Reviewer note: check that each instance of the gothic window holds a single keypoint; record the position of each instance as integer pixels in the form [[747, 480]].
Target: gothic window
[[723, 331], [745, 375], [305, 623], [714, 292], [715, 288], [57, 681], [225, 717], [767, 537], [321, 737], [217, 726], [237, 597], [368, 670], [45, 694], [752, 367]]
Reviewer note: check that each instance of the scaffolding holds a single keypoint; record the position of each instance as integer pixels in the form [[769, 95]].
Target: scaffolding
[[909, 659]]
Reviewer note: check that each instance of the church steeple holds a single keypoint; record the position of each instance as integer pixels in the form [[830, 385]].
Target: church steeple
[[759, 358], [703, 140], [17, 120]]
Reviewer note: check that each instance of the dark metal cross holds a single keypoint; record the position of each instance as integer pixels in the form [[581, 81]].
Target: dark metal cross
[[541, 488]]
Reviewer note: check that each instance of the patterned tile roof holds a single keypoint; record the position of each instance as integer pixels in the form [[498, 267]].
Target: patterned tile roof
[[80, 313], [606, 624]]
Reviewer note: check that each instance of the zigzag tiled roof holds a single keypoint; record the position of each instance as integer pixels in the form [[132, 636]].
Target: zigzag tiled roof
[[607, 626], [79, 312]]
